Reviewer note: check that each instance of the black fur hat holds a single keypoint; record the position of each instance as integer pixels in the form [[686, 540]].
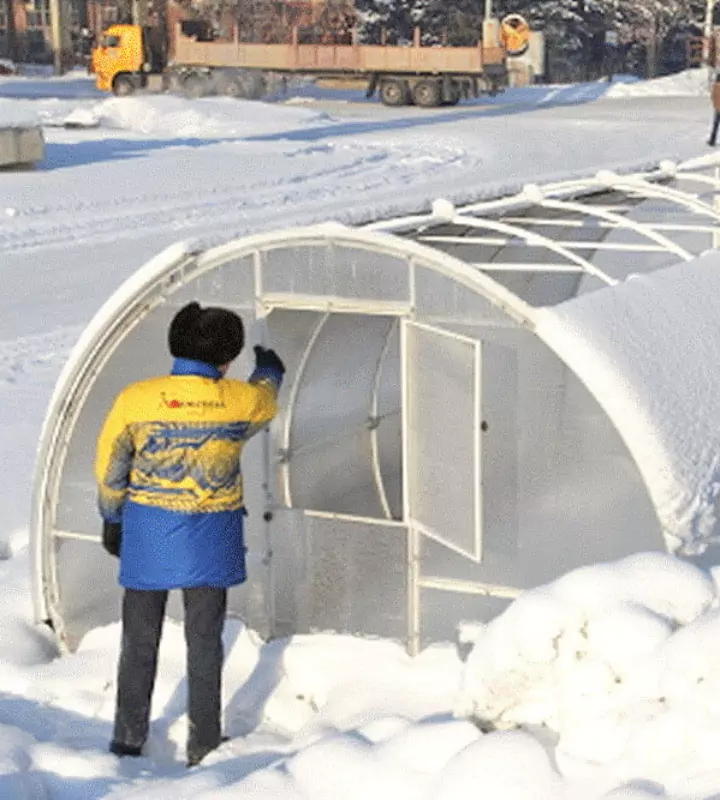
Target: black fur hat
[[213, 335]]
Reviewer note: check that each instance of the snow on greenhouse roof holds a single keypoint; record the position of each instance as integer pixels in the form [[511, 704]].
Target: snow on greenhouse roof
[[649, 350]]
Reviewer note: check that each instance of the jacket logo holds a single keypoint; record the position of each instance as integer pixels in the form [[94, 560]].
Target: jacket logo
[[173, 402]]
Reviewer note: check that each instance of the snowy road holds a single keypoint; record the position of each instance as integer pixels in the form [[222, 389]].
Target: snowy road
[[162, 169]]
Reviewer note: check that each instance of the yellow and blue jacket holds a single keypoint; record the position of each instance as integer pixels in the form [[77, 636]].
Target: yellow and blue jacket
[[168, 468]]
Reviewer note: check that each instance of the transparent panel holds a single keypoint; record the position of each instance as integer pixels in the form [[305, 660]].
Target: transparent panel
[[354, 578], [288, 571], [141, 354], [328, 269], [232, 286], [89, 594], [580, 498], [443, 613], [443, 449], [439, 299], [499, 435], [330, 448]]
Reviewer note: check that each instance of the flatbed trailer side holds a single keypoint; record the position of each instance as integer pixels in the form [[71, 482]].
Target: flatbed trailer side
[[427, 76]]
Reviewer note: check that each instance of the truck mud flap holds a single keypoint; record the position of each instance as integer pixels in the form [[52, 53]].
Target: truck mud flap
[[372, 85]]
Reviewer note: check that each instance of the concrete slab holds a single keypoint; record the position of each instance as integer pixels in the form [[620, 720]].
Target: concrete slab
[[21, 145]]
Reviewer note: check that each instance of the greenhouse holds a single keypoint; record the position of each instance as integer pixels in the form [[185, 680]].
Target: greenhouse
[[470, 407]]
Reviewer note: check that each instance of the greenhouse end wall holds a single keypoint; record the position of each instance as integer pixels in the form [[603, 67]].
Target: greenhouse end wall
[[432, 457]]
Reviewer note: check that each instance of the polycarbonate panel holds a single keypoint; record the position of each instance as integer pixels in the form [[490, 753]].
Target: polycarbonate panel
[[354, 578], [439, 299], [330, 462], [89, 595], [231, 285], [499, 436], [442, 468], [580, 496], [141, 354], [541, 288], [336, 475], [328, 269], [443, 613]]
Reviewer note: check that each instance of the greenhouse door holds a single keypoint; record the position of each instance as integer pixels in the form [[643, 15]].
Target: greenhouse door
[[442, 424]]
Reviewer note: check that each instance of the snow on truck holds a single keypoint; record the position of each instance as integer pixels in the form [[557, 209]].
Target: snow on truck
[[131, 58]]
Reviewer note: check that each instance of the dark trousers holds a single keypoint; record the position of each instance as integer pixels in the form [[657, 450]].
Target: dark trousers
[[714, 131], [142, 615]]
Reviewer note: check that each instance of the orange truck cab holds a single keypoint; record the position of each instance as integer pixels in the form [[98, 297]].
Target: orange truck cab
[[123, 62], [120, 53]]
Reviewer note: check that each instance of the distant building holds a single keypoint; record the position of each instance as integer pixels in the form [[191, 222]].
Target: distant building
[[25, 33]]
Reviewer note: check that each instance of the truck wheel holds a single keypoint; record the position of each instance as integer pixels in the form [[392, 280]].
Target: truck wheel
[[427, 94], [255, 86], [194, 86], [123, 85], [394, 93]]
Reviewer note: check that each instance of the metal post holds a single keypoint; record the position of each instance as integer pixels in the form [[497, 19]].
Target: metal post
[[56, 25], [716, 206], [708, 49], [140, 12], [488, 9]]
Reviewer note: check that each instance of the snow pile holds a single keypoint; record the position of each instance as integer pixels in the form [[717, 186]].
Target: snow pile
[[690, 82], [604, 337], [610, 677], [618, 664], [206, 117]]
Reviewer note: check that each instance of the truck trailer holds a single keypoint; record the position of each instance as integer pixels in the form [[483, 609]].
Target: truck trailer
[[129, 59]]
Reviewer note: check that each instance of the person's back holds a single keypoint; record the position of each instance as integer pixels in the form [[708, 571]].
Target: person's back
[[186, 432], [171, 497]]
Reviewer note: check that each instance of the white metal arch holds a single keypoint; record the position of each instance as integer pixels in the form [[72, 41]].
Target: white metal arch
[[620, 222], [531, 238], [651, 190], [645, 185]]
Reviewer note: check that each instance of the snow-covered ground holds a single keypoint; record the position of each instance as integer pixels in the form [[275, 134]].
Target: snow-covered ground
[[604, 684]]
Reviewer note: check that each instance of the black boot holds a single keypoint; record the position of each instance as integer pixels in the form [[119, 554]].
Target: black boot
[[196, 753], [120, 749]]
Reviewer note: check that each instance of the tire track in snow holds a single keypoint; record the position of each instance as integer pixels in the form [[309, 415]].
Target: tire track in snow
[[214, 209]]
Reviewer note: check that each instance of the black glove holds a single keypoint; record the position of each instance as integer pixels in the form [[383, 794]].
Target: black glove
[[268, 359], [112, 537]]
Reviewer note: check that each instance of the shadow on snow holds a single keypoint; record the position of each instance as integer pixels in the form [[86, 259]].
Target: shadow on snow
[[59, 155]]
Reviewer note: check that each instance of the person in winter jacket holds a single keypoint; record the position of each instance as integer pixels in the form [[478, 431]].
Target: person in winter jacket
[[716, 105], [171, 497]]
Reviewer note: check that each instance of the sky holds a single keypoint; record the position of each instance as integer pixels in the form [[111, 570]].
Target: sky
[[602, 684]]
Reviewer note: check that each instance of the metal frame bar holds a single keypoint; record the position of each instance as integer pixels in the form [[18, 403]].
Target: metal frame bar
[[537, 239], [469, 587], [621, 222], [80, 537], [374, 444], [654, 191], [413, 535], [379, 523], [569, 245]]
